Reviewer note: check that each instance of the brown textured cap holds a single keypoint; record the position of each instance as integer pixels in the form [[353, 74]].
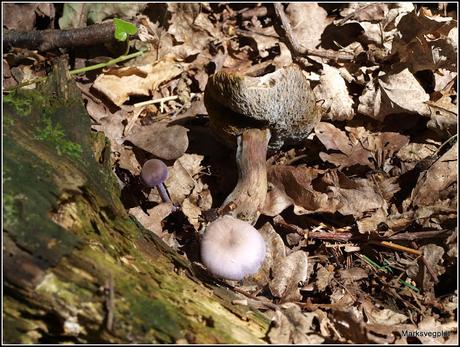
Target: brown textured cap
[[281, 101]]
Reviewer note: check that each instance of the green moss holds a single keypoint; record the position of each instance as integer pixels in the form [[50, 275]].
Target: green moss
[[54, 133], [23, 102], [11, 209], [67, 213]]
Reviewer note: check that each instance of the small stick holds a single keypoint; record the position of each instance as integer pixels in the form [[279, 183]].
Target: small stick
[[311, 234], [410, 236], [268, 304], [160, 101], [133, 120], [398, 247]]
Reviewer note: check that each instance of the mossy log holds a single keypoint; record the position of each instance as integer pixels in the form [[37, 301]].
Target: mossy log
[[77, 267]]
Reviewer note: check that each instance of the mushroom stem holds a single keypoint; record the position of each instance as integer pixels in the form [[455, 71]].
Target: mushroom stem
[[163, 193], [248, 196]]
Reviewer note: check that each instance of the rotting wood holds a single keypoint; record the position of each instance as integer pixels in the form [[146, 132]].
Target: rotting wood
[[66, 231]]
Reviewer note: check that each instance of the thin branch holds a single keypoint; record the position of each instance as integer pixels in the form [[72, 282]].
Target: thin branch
[[45, 40]]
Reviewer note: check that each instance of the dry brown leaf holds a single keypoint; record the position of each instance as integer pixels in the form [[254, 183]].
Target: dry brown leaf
[[384, 316], [370, 12], [353, 274], [333, 90], [276, 201], [394, 93], [275, 253], [191, 27], [426, 42], [121, 83], [181, 181], [442, 78], [192, 212], [292, 326], [20, 17], [265, 37], [296, 183], [160, 139], [106, 121], [356, 196], [287, 274], [436, 179], [414, 152], [335, 139], [443, 117], [323, 278], [152, 219], [308, 21]]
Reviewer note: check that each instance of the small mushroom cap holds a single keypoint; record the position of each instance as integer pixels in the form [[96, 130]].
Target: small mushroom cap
[[232, 249], [154, 172]]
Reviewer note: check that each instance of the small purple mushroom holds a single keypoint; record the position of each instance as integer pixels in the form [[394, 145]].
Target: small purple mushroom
[[154, 173]]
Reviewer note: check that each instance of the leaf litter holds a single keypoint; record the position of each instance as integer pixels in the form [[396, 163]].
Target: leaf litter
[[359, 219]]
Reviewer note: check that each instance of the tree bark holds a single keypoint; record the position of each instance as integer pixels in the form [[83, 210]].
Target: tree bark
[[77, 267], [45, 40]]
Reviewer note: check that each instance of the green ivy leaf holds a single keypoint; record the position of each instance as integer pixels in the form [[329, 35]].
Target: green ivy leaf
[[123, 29]]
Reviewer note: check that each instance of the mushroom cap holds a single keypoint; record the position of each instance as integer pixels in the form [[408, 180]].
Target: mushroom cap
[[232, 249], [154, 172], [281, 101]]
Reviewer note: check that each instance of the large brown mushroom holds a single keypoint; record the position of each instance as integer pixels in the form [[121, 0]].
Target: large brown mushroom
[[257, 114]]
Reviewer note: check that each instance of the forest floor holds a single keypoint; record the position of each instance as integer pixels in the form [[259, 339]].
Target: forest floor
[[361, 216]]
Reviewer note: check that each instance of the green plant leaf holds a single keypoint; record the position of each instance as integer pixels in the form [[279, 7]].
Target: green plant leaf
[[123, 29]]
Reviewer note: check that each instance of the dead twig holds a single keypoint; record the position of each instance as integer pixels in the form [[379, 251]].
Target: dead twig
[[301, 50], [266, 303], [410, 236], [397, 247], [329, 236], [45, 40]]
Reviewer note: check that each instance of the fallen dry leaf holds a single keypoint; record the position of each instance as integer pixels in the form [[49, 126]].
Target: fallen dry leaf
[[275, 252], [430, 324], [394, 93], [444, 117], [152, 219], [323, 278], [335, 139], [296, 183], [291, 325], [384, 316], [333, 90], [118, 84], [425, 42], [162, 140], [308, 21], [181, 181], [441, 175], [355, 196], [276, 201], [287, 274]]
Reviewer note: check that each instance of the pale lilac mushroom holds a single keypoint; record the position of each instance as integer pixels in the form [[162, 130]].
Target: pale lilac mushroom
[[232, 249], [154, 173]]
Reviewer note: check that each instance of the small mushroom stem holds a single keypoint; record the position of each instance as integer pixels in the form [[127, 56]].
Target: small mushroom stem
[[248, 196], [163, 193]]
